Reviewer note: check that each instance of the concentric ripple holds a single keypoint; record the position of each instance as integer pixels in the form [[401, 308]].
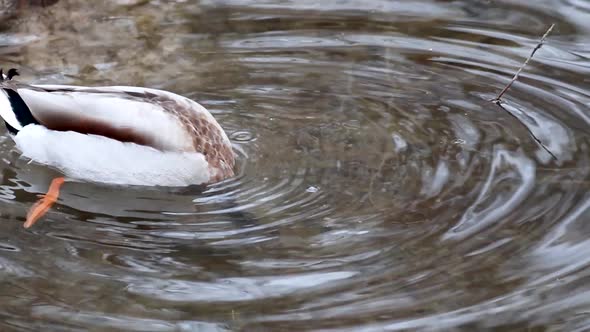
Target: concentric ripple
[[378, 188]]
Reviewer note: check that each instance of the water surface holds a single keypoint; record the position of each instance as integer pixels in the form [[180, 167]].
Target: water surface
[[378, 187]]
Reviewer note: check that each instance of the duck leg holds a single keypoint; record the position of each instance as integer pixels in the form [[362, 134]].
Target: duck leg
[[44, 204]]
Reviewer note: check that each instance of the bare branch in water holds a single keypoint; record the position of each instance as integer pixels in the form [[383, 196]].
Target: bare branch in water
[[528, 129], [498, 100], [541, 42]]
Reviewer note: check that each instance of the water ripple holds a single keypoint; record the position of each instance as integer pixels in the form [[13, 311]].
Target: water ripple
[[377, 186]]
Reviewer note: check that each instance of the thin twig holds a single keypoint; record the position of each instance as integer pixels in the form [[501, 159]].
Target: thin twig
[[498, 100], [528, 129], [539, 45]]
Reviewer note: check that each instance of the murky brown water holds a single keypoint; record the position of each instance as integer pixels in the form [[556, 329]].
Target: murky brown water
[[378, 189]]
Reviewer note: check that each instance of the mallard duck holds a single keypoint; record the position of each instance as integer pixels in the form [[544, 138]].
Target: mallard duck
[[114, 134]]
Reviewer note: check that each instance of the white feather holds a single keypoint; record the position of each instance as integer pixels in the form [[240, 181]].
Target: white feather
[[146, 118], [99, 159], [6, 111], [196, 107]]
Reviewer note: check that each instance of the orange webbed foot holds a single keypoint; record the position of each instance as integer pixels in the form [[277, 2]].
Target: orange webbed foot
[[45, 203]]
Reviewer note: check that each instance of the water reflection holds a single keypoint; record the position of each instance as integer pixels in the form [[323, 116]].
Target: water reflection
[[378, 188]]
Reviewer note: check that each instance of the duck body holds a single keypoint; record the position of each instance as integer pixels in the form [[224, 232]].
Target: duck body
[[117, 134]]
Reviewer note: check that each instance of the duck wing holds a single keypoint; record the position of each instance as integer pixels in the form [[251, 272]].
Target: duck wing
[[128, 114]]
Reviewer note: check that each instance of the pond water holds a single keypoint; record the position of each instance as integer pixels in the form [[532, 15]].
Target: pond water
[[378, 188]]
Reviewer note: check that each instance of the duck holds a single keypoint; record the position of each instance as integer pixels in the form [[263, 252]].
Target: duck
[[113, 135]]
